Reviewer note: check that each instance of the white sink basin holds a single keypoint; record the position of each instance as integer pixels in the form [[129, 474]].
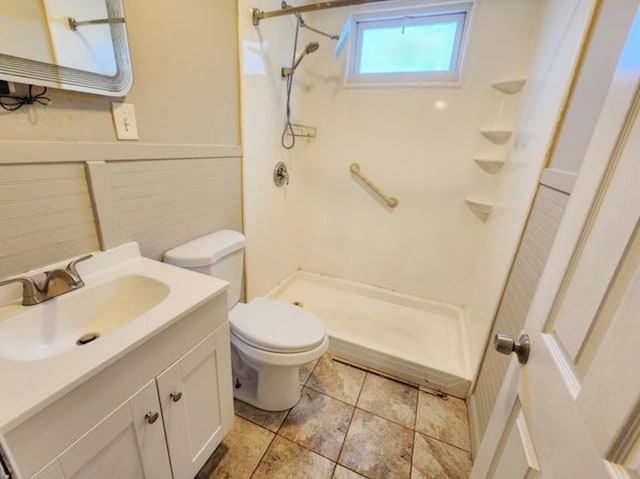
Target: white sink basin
[[127, 299], [56, 326]]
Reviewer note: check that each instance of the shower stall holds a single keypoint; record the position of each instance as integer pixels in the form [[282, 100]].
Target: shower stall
[[408, 288], [418, 340]]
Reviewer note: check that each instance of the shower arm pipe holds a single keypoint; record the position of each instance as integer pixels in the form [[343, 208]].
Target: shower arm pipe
[[258, 14], [320, 32], [391, 202]]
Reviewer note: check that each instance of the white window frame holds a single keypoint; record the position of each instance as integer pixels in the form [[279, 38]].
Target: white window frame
[[459, 12]]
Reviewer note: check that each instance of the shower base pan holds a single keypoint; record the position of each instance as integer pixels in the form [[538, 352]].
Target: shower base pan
[[420, 341]]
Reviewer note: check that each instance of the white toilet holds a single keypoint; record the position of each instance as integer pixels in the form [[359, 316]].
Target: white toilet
[[270, 339]]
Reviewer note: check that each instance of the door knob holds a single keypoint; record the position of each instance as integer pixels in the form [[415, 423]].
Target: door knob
[[151, 417], [175, 396], [505, 344]]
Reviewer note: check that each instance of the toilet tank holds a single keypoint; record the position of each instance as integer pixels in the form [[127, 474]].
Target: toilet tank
[[218, 254]]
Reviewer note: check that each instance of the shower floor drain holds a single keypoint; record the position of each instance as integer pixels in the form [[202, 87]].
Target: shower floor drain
[[299, 304], [87, 338]]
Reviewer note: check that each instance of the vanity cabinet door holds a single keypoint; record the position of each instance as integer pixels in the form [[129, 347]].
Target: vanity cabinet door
[[126, 444], [197, 403]]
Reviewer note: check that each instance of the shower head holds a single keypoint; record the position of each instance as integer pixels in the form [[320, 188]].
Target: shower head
[[309, 48]]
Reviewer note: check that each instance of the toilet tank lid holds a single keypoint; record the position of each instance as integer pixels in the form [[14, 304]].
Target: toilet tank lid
[[205, 250]]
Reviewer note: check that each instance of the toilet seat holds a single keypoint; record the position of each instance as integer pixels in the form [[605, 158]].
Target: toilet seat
[[276, 327]]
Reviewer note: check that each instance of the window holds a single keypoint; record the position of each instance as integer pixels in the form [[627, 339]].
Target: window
[[408, 47]]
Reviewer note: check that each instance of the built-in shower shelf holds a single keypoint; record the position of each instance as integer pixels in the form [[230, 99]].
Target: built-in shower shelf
[[480, 206], [302, 131], [509, 87], [490, 165], [498, 137]]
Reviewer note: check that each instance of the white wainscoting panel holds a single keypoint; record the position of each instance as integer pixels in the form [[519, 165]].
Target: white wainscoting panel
[[161, 204], [531, 257], [45, 215]]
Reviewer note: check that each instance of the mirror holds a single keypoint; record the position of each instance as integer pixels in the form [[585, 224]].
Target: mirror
[[76, 45]]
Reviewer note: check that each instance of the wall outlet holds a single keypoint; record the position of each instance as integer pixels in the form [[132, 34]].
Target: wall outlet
[[124, 119]]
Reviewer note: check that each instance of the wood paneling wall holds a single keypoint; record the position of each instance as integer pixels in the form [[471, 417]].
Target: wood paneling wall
[[162, 204], [46, 212], [45, 215], [548, 210]]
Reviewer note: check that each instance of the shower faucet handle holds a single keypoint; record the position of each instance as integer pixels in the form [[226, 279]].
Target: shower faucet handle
[[280, 174]]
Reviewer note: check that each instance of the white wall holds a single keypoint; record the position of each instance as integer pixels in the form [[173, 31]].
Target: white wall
[[403, 138], [432, 245], [416, 152], [556, 47], [272, 214]]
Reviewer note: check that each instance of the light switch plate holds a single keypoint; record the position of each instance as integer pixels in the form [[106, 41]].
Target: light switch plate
[[124, 119]]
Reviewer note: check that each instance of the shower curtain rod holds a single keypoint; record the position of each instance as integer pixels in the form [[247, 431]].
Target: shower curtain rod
[[260, 15]]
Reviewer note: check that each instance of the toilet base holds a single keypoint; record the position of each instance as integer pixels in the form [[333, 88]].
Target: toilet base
[[271, 388], [282, 390], [265, 385]]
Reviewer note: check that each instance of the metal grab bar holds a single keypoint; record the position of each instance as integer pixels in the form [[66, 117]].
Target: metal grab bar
[[392, 202]]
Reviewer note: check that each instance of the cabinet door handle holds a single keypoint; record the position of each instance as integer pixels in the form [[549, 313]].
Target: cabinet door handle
[[151, 417], [175, 396]]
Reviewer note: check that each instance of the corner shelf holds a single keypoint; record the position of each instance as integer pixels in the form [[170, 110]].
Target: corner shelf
[[498, 137], [509, 87], [481, 207], [490, 165]]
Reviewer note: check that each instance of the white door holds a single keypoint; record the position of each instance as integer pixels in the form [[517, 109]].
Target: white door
[[197, 402], [573, 410]]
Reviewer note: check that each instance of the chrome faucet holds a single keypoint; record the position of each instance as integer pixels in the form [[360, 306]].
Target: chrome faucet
[[31, 293], [60, 281], [56, 282]]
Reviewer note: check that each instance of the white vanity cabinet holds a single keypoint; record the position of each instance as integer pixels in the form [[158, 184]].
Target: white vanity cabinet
[[129, 443], [193, 408], [165, 428]]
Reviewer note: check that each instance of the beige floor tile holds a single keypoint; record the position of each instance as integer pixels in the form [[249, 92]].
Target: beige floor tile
[[344, 473], [337, 380], [433, 459], [318, 422], [268, 419], [445, 419], [239, 453], [286, 460], [305, 371], [377, 448], [390, 399]]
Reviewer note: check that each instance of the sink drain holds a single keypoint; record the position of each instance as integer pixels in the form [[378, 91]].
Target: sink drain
[[87, 338], [299, 304]]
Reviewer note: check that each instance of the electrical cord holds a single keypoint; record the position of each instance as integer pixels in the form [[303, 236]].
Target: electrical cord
[[14, 102]]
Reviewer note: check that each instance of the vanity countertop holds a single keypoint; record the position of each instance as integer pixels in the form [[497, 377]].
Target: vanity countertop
[[28, 386]]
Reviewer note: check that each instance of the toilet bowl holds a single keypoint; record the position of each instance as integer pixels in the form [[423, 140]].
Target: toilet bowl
[[270, 340]]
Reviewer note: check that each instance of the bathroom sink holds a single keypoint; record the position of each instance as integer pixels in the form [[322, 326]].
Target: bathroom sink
[[75, 320], [49, 349]]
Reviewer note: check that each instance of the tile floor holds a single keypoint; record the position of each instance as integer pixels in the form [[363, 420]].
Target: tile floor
[[349, 424]]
